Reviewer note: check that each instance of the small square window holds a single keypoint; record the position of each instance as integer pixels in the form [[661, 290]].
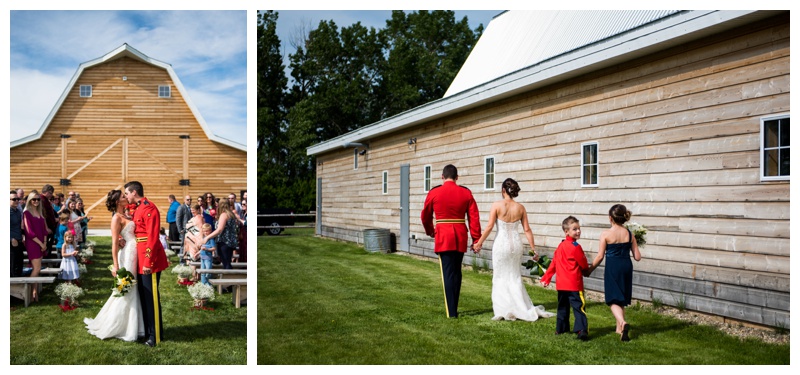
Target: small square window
[[86, 91], [164, 91], [385, 182], [427, 178], [488, 173], [775, 148], [589, 164]]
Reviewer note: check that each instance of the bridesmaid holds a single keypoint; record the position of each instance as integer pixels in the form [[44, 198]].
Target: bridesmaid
[[35, 229], [617, 243]]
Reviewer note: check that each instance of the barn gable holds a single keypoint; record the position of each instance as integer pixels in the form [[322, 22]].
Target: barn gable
[[126, 117], [126, 51]]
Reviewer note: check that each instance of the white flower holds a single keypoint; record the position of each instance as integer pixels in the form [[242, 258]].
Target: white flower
[[201, 291]]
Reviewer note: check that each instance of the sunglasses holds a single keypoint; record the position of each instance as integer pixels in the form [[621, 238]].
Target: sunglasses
[[15, 199], [34, 199]]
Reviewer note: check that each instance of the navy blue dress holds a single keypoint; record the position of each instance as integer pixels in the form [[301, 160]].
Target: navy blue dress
[[618, 276]]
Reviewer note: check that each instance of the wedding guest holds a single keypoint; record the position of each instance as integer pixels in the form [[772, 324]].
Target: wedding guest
[[57, 204], [162, 236], [182, 218], [21, 195], [207, 254], [50, 218], [85, 222], [193, 237], [69, 264], [226, 233], [34, 228], [616, 245], [17, 247], [243, 234], [569, 264], [63, 227], [210, 209], [75, 219], [171, 218]]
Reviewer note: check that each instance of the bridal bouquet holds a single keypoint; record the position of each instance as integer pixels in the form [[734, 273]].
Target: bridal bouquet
[[123, 283], [639, 232], [537, 267]]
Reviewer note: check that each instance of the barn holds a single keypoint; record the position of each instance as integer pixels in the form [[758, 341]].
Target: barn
[[683, 116], [122, 117]]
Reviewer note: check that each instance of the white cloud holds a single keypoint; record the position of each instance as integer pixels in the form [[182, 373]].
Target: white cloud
[[34, 94]]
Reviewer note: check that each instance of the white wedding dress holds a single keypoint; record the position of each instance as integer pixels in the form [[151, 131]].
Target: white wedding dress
[[121, 317], [510, 299]]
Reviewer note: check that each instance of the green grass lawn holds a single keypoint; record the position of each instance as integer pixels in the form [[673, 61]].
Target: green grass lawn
[[42, 334], [327, 302]]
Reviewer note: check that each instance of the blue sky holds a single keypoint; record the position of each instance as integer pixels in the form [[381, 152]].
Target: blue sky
[[207, 50]]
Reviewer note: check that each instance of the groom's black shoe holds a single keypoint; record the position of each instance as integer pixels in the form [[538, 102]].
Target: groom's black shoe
[[151, 342]]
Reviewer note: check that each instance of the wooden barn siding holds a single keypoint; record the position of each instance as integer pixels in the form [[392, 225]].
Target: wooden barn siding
[[678, 136], [127, 112]]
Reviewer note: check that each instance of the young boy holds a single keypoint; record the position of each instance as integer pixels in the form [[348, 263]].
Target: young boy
[[63, 227], [570, 263], [207, 253]]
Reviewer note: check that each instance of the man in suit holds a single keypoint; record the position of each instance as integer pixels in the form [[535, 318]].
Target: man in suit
[[182, 218], [450, 203], [152, 260]]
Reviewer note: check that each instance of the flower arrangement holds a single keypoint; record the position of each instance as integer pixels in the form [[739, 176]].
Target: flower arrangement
[[81, 269], [201, 293], [123, 283], [90, 244], [538, 266], [169, 253], [639, 232], [85, 255], [69, 294], [184, 272]]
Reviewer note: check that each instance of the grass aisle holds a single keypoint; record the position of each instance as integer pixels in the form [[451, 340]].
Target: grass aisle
[[326, 302], [43, 334]]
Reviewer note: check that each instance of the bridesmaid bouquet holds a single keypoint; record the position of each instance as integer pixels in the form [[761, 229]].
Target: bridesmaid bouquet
[[123, 282], [539, 266], [639, 232]]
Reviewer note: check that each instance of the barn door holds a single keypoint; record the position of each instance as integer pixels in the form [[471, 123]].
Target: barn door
[[403, 241], [93, 164]]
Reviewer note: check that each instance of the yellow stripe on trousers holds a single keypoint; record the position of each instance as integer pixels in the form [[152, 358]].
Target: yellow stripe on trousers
[[155, 308], [441, 268]]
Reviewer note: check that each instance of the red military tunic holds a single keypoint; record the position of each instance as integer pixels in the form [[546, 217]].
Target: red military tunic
[[568, 265], [147, 226], [450, 201]]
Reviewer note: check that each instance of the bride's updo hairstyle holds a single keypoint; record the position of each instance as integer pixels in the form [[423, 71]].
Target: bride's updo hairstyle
[[112, 199], [511, 187], [619, 214]]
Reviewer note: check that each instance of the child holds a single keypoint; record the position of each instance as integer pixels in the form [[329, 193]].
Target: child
[[569, 262], [616, 244], [69, 265], [162, 236], [63, 227], [207, 253]]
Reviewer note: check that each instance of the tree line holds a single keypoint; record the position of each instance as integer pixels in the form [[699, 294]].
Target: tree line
[[342, 79]]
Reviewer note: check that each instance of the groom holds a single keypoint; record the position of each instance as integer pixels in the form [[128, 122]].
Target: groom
[[152, 260], [450, 203]]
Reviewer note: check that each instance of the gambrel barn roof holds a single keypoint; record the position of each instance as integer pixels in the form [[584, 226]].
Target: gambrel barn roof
[[126, 50], [524, 50]]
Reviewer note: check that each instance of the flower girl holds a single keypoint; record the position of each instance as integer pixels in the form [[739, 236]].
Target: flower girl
[[69, 265]]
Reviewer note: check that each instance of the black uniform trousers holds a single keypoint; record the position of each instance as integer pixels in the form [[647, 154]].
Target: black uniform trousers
[[578, 304], [450, 262], [173, 234], [146, 290]]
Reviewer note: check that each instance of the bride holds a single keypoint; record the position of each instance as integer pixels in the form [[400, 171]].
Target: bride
[[510, 299], [120, 317]]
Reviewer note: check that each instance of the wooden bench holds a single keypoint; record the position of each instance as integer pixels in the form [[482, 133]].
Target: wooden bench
[[50, 271], [224, 273], [56, 262], [21, 287], [239, 294], [216, 266]]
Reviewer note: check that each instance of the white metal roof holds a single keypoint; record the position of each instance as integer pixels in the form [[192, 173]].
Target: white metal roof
[[126, 50], [669, 31], [518, 39]]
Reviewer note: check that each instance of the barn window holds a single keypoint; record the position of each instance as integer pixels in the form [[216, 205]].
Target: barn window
[[488, 173], [86, 91], [427, 178], [164, 91], [385, 182], [355, 158], [775, 148], [589, 164]]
